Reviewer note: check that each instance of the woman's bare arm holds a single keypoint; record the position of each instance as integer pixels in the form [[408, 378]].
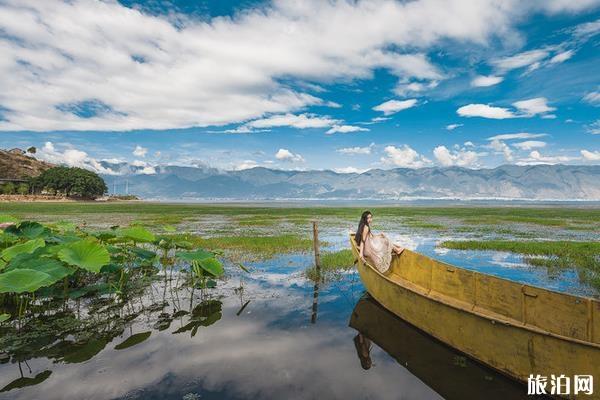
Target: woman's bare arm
[[365, 232]]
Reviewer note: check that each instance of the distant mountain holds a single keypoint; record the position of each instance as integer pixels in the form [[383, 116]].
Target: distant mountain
[[16, 164], [538, 182]]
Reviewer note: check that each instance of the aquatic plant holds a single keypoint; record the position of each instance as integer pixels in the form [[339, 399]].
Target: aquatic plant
[[35, 256]]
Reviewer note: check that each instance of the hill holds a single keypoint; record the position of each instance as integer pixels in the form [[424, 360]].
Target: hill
[[16, 165]]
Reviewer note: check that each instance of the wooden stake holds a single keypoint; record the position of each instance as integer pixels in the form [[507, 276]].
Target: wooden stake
[[316, 246]]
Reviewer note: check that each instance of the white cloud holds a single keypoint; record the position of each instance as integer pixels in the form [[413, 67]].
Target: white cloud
[[452, 127], [71, 157], [216, 71], [562, 57], [246, 164], [469, 144], [140, 151], [357, 150], [148, 170], [594, 127], [484, 81], [501, 148], [411, 88], [379, 119], [535, 157], [393, 106], [345, 129], [534, 106], [244, 129], [288, 156], [484, 111], [592, 98], [587, 29], [524, 108], [461, 157], [404, 157], [520, 135], [533, 59], [520, 60], [98, 65], [591, 155], [529, 145], [301, 121], [349, 170]]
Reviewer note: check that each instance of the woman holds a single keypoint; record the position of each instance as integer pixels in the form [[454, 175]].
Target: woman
[[376, 249]]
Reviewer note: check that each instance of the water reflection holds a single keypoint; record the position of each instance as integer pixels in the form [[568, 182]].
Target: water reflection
[[254, 336], [445, 370]]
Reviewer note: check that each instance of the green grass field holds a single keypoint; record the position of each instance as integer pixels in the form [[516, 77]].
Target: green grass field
[[550, 237], [252, 215]]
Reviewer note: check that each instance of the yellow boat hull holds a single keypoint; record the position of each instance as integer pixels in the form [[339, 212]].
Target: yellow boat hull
[[516, 329]]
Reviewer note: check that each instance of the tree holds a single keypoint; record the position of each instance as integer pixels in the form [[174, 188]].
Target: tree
[[8, 188], [23, 189], [32, 150], [70, 181]]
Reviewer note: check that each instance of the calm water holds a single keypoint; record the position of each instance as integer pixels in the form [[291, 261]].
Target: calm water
[[257, 335]]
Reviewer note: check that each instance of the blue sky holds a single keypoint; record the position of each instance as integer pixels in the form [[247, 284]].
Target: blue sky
[[336, 85]]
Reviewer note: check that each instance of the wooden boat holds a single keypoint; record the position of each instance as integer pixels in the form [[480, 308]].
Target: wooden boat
[[517, 329]]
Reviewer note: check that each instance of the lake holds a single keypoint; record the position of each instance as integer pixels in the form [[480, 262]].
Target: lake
[[270, 332]]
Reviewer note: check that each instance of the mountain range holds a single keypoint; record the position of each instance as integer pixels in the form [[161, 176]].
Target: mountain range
[[533, 182]]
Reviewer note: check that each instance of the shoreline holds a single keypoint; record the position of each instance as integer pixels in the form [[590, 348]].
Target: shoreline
[[17, 198]]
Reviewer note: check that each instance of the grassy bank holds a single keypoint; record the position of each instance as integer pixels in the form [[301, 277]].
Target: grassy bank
[[248, 215], [251, 247], [550, 254], [333, 264]]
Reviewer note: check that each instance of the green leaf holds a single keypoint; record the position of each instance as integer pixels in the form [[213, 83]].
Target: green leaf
[[24, 382], [4, 317], [80, 352], [133, 340], [212, 266], [111, 268], [22, 280], [137, 234], [86, 254], [211, 284], [105, 235], [54, 268], [13, 251], [196, 255], [183, 244], [29, 230], [169, 228], [143, 253]]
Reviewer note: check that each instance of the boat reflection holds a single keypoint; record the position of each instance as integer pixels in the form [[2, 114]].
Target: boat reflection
[[445, 370]]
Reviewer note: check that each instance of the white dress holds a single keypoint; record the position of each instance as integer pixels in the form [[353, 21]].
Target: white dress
[[378, 251]]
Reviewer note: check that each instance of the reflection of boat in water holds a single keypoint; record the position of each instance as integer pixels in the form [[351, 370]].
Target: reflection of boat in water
[[440, 367], [517, 329]]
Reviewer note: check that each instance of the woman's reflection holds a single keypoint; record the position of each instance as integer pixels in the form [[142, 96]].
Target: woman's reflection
[[363, 349]]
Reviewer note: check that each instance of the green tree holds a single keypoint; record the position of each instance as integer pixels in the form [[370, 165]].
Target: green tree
[[70, 181], [23, 189], [8, 188], [32, 150]]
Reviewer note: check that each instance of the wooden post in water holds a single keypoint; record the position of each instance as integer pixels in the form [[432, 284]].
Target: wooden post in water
[[313, 318], [316, 246]]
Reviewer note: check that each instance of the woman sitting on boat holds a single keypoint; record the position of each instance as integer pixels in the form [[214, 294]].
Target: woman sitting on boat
[[376, 249]]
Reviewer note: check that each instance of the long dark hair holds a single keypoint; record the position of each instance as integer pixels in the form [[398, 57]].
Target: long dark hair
[[361, 226]]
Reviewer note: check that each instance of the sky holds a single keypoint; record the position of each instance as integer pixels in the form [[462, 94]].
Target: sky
[[302, 85]]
